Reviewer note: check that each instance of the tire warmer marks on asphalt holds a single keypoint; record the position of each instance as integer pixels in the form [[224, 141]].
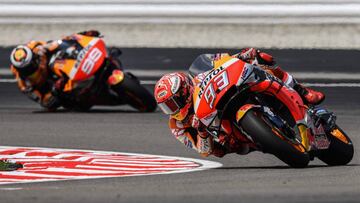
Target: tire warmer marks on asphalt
[[49, 164]]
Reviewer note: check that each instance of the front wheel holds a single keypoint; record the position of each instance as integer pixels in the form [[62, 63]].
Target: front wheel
[[135, 94], [270, 140], [341, 150]]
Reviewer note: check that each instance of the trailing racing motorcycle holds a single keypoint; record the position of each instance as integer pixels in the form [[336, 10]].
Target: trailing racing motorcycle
[[93, 76], [253, 107]]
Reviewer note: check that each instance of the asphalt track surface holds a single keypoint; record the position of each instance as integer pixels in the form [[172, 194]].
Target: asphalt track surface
[[256, 177]]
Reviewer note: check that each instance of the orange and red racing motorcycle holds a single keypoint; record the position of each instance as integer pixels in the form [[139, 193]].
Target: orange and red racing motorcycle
[[93, 76], [250, 105]]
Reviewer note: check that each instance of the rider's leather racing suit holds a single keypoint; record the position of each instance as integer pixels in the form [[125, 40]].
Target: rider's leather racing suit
[[40, 86]]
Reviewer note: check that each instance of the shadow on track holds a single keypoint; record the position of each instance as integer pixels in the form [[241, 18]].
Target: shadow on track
[[277, 167], [92, 111]]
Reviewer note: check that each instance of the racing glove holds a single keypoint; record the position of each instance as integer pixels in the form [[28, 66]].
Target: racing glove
[[40, 50], [252, 55], [204, 140], [31, 93], [204, 143]]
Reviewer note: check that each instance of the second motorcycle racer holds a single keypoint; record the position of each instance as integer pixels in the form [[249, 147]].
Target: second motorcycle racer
[[77, 72]]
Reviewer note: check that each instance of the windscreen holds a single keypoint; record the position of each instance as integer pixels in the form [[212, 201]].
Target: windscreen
[[201, 64]]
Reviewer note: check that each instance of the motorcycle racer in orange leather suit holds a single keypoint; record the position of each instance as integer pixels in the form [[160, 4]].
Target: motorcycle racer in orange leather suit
[[33, 75], [173, 93]]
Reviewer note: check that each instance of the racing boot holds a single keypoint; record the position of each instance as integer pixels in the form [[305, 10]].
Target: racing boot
[[6, 165], [309, 95]]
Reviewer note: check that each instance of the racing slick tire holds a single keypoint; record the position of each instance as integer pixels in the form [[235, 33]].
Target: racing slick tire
[[254, 124]]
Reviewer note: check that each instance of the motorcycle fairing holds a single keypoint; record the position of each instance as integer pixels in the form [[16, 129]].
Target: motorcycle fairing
[[89, 59], [215, 84], [235, 72]]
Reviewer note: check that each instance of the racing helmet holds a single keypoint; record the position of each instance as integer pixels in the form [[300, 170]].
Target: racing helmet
[[173, 94], [22, 59]]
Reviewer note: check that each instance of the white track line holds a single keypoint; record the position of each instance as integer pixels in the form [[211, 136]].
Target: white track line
[[7, 80], [332, 84]]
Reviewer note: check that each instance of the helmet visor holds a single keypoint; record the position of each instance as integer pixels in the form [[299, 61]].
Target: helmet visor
[[170, 106]]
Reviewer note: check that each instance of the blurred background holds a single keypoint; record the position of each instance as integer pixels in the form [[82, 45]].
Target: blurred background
[[317, 41], [307, 24]]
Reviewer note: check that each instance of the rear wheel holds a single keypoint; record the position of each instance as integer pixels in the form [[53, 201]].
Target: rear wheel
[[271, 140], [341, 150], [135, 94]]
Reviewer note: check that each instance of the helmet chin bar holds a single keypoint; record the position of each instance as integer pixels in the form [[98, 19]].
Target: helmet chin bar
[[183, 114]]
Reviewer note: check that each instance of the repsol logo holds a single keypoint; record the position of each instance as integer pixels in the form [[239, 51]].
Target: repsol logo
[[81, 55], [207, 79]]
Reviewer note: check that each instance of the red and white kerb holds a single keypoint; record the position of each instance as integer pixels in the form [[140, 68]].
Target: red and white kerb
[[47, 164]]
